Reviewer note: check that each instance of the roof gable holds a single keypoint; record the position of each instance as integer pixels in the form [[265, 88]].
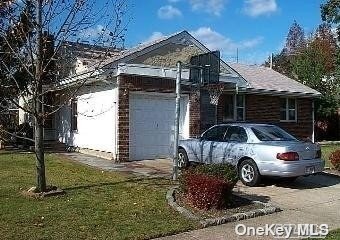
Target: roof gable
[[184, 41]]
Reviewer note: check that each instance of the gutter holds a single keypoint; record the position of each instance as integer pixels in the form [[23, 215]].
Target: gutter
[[283, 93]]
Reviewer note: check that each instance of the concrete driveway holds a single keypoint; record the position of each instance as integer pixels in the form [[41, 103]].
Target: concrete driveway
[[314, 199]]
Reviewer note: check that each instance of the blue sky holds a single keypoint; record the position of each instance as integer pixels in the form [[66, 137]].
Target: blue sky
[[255, 27]]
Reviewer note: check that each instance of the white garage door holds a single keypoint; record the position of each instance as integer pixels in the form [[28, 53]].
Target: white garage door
[[152, 118]]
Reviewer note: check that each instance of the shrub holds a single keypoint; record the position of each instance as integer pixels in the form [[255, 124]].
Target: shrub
[[208, 186], [224, 171], [335, 159]]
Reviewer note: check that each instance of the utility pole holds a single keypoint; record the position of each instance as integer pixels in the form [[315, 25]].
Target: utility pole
[[236, 55], [178, 112], [271, 61]]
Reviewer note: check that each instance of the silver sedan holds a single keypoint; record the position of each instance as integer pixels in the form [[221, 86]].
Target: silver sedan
[[256, 149]]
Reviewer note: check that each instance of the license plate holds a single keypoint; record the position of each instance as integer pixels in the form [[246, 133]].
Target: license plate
[[310, 170]]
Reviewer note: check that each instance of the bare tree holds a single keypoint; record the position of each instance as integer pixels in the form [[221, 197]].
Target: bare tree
[[35, 36]]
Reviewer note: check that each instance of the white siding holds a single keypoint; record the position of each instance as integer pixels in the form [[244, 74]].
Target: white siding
[[97, 125]]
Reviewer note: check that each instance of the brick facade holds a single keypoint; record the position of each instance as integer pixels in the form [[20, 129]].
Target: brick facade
[[194, 115], [266, 109], [259, 108]]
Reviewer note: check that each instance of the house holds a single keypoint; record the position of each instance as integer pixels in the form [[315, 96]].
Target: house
[[127, 107]]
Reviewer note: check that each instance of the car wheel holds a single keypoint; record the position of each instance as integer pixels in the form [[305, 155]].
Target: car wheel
[[249, 173], [183, 161]]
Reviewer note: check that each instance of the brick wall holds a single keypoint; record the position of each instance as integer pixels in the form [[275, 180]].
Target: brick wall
[[128, 84], [123, 122], [194, 115], [266, 109]]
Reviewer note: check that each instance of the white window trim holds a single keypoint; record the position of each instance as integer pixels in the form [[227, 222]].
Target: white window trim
[[235, 109], [287, 111]]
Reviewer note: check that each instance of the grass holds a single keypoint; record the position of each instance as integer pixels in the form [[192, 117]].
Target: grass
[[97, 205], [326, 152], [333, 235]]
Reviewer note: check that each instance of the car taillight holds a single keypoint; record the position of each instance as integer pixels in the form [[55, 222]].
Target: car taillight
[[318, 154], [288, 156]]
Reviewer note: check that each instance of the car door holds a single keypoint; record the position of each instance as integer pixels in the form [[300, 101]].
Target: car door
[[211, 143], [237, 138]]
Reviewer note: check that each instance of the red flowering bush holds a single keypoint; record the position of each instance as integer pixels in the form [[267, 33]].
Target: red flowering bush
[[335, 159], [208, 186]]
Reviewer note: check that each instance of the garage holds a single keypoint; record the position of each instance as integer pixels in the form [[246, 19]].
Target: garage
[[152, 118]]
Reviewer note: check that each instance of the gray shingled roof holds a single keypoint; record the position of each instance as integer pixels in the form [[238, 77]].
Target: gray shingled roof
[[265, 79]]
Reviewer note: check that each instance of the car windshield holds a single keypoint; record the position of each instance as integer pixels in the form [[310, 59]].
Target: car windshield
[[272, 133]]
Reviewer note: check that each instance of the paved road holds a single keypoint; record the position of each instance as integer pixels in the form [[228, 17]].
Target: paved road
[[314, 199]]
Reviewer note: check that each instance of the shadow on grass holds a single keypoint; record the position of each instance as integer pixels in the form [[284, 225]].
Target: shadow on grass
[[154, 182], [7, 152]]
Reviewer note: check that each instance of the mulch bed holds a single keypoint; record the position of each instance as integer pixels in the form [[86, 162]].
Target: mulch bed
[[237, 205]]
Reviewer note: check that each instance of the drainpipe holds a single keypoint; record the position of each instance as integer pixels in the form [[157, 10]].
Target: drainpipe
[[176, 135]]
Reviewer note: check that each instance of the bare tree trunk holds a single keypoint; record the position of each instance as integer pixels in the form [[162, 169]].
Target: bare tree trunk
[[39, 128], [40, 156]]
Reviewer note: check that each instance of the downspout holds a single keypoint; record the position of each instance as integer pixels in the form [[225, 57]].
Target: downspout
[[313, 122]]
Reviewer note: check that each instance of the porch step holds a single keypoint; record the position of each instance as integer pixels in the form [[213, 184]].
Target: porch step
[[54, 146]]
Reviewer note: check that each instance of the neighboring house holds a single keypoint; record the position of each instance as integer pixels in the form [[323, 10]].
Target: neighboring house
[[9, 115], [127, 107]]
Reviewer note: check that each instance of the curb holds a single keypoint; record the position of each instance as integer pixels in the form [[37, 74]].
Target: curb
[[267, 209]]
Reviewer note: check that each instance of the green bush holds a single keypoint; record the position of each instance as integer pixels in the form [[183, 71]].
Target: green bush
[[208, 186]]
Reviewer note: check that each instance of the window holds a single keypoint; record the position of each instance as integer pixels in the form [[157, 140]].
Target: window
[[74, 115], [215, 134], [240, 109], [234, 107], [288, 109], [236, 134]]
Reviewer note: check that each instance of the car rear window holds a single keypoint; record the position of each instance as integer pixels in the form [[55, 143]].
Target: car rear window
[[272, 133]]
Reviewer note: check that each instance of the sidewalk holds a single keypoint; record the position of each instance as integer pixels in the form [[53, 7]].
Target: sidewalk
[[145, 168], [314, 200]]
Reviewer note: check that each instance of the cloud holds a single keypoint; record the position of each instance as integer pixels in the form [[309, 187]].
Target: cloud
[[173, 1], [168, 12], [214, 7], [154, 36], [216, 41], [92, 32], [256, 8]]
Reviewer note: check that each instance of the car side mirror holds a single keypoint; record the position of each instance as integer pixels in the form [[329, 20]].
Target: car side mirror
[[198, 137]]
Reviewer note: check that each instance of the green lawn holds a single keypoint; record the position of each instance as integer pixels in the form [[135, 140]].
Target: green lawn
[[326, 152], [333, 235], [98, 205]]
